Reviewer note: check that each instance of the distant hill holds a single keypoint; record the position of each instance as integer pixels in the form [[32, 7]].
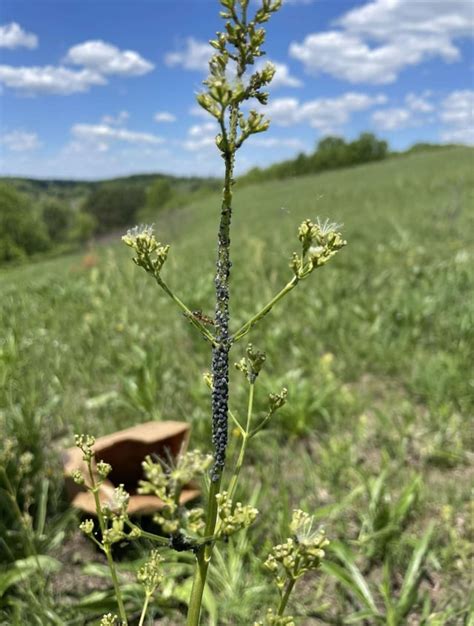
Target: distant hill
[[62, 188], [52, 216]]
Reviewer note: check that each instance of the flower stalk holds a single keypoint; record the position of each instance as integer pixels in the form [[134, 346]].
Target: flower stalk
[[228, 86]]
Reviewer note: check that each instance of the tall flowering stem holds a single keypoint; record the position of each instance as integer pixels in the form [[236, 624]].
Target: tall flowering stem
[[237, 47], [228, 86]]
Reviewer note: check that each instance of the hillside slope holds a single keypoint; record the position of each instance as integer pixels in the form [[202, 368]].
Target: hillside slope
[[375, 350]]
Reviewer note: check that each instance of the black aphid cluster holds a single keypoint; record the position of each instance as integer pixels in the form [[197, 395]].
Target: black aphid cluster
[[220, 358]]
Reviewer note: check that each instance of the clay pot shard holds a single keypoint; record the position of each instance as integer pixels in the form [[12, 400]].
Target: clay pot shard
[[125, 450]]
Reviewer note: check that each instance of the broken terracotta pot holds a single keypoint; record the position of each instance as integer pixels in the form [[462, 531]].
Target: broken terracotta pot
[[125, 450]]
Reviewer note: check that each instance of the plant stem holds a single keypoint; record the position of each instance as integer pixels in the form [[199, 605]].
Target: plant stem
[[115, 580], [243, 330], [164, 541], [285, 597], [243, 447], [106, 547], [144, 610], [203, 558], [220, 369]]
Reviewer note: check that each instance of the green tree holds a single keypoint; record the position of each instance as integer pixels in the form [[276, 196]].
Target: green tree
[[57, 218], [114, 205], [331, 152], [22, 232], [82, 227], [158, 194], [367, 148]]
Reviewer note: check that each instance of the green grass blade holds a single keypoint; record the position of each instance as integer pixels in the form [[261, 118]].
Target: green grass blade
[[413, 575], [351, 576], [24, 568]]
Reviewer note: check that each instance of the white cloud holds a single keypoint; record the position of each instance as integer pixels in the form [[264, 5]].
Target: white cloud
[[414, 113], [197, 130], [325, 114], [194, 56], [118, 120], [201, 136], [100, 136], [277, 142], [392, 119], [384, 19], [458, 135], [457, 113], [458, 108], [377, 40], [49, 79], [20, 141], [105, 58], [198, 111], [419, 103], [13, 36], [98, 59], [164, 116]]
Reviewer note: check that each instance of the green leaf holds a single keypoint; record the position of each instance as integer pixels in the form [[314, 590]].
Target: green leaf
[[42, 501], [406, 501], [353, 579], [24, 568], [408, 593]]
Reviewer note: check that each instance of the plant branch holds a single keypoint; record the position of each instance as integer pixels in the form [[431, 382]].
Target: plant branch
[[105, 546], [189, 314], [243, 448], [243, 330]]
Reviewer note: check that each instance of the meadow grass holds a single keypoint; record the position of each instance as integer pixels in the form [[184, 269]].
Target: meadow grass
[[376, 353]]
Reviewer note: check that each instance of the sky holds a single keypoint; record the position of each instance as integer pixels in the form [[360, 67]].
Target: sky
[[94, 89]]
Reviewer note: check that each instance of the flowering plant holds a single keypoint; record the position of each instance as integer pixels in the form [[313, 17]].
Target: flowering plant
[[228, 86]]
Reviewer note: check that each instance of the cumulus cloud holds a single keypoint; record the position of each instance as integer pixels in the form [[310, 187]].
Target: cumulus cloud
[[201, 136], [457, 113], [103, 133], [377, 40], [104, 58], [325, 114], [194, 56], [20, 141], [419, 103], [98, 59], [392, 119], [13, 36], [49, 79], [164, 116], [117, 120], [414, 113], [277, 142]]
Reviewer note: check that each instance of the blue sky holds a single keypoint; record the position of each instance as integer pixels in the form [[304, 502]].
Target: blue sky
[[100, 88]]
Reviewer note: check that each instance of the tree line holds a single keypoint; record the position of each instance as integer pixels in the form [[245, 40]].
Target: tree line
[[330, 153], [55, 216]]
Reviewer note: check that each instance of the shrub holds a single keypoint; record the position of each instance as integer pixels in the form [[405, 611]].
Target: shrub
[[22, 232], [114, 205]]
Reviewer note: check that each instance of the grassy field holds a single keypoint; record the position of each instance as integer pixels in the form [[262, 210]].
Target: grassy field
[[375, 350]]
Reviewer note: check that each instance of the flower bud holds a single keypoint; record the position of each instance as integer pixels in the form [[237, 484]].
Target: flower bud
[[87, 526]]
